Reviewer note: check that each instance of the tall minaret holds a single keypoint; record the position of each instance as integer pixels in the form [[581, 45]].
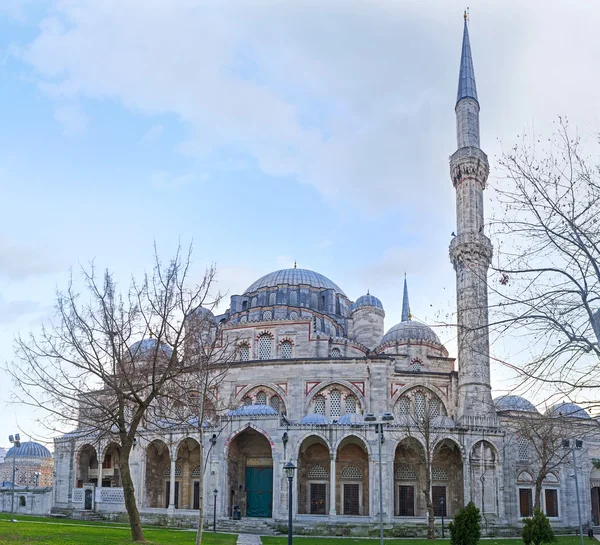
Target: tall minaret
[[471, 253]]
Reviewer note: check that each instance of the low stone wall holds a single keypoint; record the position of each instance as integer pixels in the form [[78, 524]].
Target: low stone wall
[[28, 501]]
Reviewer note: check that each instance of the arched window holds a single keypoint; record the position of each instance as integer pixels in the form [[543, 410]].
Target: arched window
[[272, 298], [523, 448], [243, 319], [244, 352], [276, 403], [246, 401], [351, 404], [336, 353], [320, 404], [244, 305], [265, 343], [22, 501], [293, 315], [267, 315], [196, 473], [351, 472], [322, 305], [317, 471], [293, 298], [420, 405], [286, 350], [254, 301], [314, 299], [403, 406], [261, 398], [178, 472], [434, 407], [335, 404], [406, 473], [416, 364]]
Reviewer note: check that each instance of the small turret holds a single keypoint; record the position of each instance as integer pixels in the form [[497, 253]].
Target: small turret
[[367, 320]]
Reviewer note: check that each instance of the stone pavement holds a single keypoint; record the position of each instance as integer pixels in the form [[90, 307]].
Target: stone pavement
[[248, 539]]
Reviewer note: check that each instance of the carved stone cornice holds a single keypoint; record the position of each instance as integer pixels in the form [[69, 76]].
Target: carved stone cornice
[[473, 248], [469, 163]]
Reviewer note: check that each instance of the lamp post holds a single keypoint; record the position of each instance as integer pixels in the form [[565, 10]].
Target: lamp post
[[577, 444], [289, 471], [442, 506], [215, 492], [370, 418], [16, 442]]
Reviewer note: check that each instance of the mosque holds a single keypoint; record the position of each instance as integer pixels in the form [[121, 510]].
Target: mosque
[[313, 369]]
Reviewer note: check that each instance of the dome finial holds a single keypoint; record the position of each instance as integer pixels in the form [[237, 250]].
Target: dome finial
[[295, 264]]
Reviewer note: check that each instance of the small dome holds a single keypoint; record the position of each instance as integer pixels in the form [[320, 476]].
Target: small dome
[[29, 448], [568, 409], [351, 419], [443, 422], [252, 410], [410, 331], [514, 403], [315, 419], [148, 346], [294, 277], [201, 313], [367, 301]]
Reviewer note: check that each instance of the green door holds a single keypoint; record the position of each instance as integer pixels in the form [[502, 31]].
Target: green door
[[259, 491]]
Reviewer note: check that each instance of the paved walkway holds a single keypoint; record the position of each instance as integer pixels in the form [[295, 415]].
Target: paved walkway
[[248, 539]]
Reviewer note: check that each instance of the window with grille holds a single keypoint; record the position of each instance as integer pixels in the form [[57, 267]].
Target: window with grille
[[336, 353], [524, 477], [335, 401], [406, 501], [437, 493], [439, 474], [351, 499], [523, 448], [317, 472], [267, 315], [196, 472], [261, 398], [320, 404], [318, 499], [293, 298], [525, 502], [351, 472], [275, 403], [351, 404], [246, 401], [272, 298], [403, 406], [243, 319], [293, 315], [264, 347], [406, 473], [254, 301], [314, 300], [434, 408], [551, 497], [244, 352], [178, 472], [286, 350], [416, 365], [420, 405]]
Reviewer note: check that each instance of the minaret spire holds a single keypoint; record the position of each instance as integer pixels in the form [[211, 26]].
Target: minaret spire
[[466, 77], [405, 304]]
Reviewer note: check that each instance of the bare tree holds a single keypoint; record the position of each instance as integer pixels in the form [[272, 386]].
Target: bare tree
[[545, 279], [86, 370]]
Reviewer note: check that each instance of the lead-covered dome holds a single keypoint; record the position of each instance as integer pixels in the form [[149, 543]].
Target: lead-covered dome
[[410, 331], [147, 347], [367, 301], [29, 449], [294, 277], [514, 403], [568, 409]]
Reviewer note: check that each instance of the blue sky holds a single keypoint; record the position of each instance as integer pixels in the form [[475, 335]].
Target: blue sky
[[266, 132]]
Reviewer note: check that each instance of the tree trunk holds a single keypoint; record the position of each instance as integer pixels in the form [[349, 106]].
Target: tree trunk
[[537, 502], [201, 490], [137, 533], [430, 520]]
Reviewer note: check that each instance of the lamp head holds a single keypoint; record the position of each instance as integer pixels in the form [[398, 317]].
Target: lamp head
[[289, 469], [215, 492]]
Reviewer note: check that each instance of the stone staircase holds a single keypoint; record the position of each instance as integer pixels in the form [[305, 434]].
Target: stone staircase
[[260, 527]]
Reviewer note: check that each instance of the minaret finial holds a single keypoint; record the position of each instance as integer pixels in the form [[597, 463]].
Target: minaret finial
[[466, 15], [295, 264], [406, 316]]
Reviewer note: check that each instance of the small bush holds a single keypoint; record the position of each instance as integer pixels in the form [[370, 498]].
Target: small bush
[[537, 530], [465, 530]]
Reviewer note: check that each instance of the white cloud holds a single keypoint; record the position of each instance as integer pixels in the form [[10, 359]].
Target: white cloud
[[12, 310], [73, 119], [18, 262]]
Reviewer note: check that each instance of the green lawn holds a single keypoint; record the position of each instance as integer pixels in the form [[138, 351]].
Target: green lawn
[[40, 531]]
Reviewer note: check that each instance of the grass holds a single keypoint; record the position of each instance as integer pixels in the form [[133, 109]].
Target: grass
[[42, 531]]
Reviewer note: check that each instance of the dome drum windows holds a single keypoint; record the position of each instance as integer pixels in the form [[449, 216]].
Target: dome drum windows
[[267, 315], [272, 298], [336, 353], [265, 346], [286, 349]]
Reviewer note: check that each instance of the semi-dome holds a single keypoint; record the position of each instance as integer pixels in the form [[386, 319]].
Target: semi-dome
[[252, 410], [568, 409], [351, 419], [410, 331], [367, 301], [30, 449], [315, 419], [294, 277], [148, 346], [514, 403]]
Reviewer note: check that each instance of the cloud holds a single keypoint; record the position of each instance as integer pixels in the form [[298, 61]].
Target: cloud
[[12, 310], [165, 180], [73, 120], [19, 262]]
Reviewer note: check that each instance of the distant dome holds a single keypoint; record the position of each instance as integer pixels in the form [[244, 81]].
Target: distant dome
[[443, 422], [252, 410], [294, 277], [29, 448], [568, 409], [367, 301], [351, 418], [315, 420], [514, 403], [410, 331], [147, 347], [201, 312]]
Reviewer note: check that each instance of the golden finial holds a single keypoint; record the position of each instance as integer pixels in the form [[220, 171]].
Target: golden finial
[[466, 15], [150, 333], [295, 264]]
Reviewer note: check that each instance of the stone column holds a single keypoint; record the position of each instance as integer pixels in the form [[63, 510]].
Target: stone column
[[99, 485], [172, 486], [332, 485]]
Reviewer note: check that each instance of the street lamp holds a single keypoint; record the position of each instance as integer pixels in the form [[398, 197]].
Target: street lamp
[[577, 444], [16, 441], [442, 507], [370, 418], [215, 492], [289, 469]]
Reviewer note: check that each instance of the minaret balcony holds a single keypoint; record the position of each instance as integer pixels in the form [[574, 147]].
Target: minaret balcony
[[471, 163]]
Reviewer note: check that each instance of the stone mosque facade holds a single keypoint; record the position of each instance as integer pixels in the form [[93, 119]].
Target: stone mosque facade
[[310, 365]]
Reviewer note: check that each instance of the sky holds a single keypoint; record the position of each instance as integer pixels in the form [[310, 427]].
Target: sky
[[264, 133]]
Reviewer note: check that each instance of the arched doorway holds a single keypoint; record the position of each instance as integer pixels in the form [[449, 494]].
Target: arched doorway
[[87, 466], [447, 481], [188, 460], [313, 476], [484, 477], [250, 474], [158, 467], [409, 477], [352, 474], [111, 466]]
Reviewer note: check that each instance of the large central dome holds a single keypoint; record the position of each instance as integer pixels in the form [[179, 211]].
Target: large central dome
[[294, 277]]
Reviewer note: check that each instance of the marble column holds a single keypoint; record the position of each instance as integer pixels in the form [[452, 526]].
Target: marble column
[[99, 485], [172, 486], [332, 485]]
